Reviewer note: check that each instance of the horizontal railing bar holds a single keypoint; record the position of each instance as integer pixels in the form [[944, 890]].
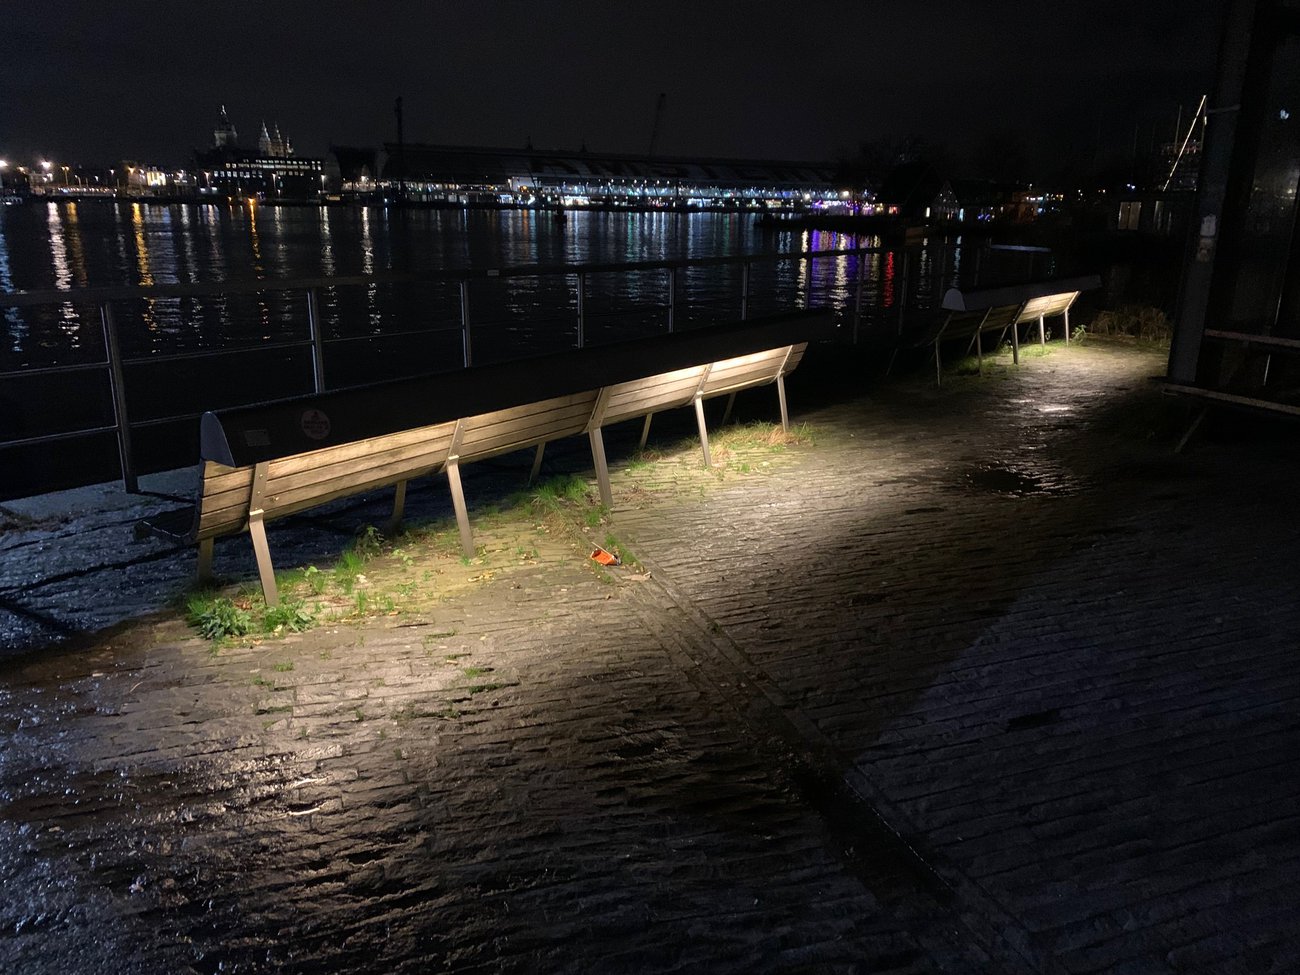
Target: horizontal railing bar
[[343, 339], [213, 353], [55, 437], [54, 370], [24, 299]]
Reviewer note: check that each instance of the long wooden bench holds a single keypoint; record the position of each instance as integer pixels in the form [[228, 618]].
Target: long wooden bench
[[264, 462], [969, 314]]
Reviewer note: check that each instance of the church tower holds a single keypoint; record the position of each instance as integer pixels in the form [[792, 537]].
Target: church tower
[[224, 135]]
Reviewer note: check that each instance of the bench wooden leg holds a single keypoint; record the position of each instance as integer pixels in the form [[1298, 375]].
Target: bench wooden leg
[[780, 395], [1042, 333], [205, 561], [979, 351], [537, 463], [645, 431], [602, 468], [726, 414], [462, 515], [262, 551], [1066, 313], [399, 507], [1015, 344], [704, 431], [938, 366]]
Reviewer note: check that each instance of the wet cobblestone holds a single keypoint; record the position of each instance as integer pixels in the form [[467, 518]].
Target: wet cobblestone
[[983, 679]]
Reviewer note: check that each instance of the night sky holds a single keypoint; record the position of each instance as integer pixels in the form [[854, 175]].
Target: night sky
[[94, 83]]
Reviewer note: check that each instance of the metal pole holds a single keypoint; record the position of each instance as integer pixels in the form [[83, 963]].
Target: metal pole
[[902, 295], [672, 298], [466, 351], [857, 298], [317, 340], [117, 387], [582, 308], [744, 291]]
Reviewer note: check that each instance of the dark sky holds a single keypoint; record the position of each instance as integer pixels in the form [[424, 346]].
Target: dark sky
[[96, 82]]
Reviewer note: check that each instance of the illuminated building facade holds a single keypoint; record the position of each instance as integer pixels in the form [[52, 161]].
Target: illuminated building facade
[[274, 172], [460, 175]]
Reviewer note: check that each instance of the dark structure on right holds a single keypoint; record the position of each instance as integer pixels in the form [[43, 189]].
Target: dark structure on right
[[1238, 331]]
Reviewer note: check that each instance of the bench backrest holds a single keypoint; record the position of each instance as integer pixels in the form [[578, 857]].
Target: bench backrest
[[307, 479], [1047, 306]]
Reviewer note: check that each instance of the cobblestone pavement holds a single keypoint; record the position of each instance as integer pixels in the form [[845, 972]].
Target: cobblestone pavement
[[979, 679]]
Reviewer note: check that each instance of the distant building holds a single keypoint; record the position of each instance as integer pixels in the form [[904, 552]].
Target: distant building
[[273, 172], [469, 175]]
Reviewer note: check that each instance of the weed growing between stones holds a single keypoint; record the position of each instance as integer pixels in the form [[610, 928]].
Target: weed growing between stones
[[216, 617]]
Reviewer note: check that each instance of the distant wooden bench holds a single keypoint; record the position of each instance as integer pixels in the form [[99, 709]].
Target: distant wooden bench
[[969, 314], [268, 461]]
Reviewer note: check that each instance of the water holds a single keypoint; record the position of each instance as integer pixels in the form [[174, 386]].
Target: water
[[67, 246]]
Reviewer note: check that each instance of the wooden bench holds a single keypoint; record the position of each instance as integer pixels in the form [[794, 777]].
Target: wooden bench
[[969, 314], [264, 462]]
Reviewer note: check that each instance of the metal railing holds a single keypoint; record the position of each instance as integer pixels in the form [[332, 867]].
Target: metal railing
[[114, 364]]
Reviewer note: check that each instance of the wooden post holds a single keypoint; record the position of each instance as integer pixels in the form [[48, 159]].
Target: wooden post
[[645, 431], [205, 561], [399, 508], [1042, 333], [537, 462], [704, 431], [257, 531], [458, 503], [602, 468]]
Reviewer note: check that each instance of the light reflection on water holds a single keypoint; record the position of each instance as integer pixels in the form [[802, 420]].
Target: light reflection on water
[[101, 243]]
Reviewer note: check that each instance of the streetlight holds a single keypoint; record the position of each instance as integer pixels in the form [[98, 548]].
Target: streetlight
[[45, 165], [65, 175]]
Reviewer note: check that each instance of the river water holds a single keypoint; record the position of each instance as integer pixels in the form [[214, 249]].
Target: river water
[[74, 245]]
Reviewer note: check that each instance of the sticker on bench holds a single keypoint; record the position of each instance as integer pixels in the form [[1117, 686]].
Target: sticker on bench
[[315, 424]]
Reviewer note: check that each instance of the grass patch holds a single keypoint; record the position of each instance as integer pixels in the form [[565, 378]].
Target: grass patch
[[291, 616], [216, 617]]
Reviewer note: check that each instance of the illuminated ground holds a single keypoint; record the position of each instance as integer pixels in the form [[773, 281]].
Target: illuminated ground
[[979, 679]]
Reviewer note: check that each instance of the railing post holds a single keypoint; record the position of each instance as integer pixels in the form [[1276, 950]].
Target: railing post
[[317, 340], [467, 356], [857, 297], [744, 291], [582, 308], [902, 294], [672, 298], [117, 387]]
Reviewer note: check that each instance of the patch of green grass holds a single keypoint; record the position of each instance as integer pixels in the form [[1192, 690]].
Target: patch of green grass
[[216, 617], [480, 688], [284, 666], [290, 616], [472, 672], [554, 492], [346, 571]]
